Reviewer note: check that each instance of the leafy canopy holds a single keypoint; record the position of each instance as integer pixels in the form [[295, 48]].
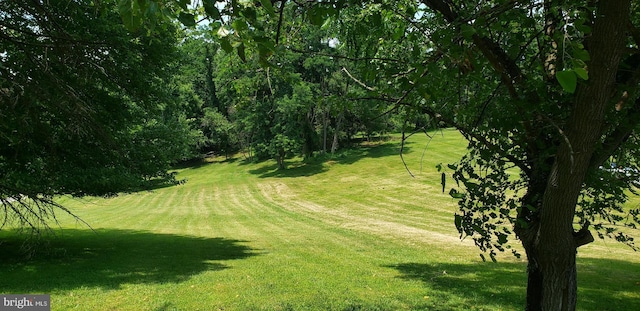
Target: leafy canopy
[[85, 107]]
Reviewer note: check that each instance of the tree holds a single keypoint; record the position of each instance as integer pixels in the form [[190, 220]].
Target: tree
[[548, 88], [271, 106], [195, 83], [84, 106]]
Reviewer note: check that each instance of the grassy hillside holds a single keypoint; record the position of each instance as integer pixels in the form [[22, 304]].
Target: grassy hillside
[[356, 232]]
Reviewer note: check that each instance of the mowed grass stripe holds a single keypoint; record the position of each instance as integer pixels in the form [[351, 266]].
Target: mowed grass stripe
[[291, 243], [395, 213], [366, 221], [351, 233], [248, 217], [373, 204]]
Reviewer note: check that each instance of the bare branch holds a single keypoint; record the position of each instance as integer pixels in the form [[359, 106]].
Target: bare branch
[[358, 81], [402, 157]]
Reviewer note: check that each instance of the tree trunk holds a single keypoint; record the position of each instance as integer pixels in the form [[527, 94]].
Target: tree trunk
[[336, 134], [325, 126], [551, 242], [309, 135], [280, 159]]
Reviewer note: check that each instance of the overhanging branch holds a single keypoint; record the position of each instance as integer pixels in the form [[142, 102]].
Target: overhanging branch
[[583, 236], [469, 134], [508, 70]]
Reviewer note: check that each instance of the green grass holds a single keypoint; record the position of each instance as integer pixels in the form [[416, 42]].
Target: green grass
[[355, 232]]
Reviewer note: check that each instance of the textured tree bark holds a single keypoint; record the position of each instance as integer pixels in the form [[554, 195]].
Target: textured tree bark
[[550, 204], [551, 249]]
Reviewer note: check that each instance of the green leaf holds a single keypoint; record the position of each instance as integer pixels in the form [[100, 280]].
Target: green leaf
[[239, 25], [130, 20], [152, 9], [582, 73], [399, 33], [568, 80], [266, 4], [187, 19], [210, 9], [455, 194], [129, 12], [443, 181], [250, 14], [326, 24], [241, 52], [183, 4], [583, 28], [581, 54], [316, 16], [458, 222], [467, 31], [226, 45]]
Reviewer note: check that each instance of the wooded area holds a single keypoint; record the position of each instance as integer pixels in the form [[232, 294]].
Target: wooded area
[[100, 97]]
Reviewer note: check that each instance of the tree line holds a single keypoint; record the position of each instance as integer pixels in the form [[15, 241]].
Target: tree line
[[91, 107], [103, 96], [306, 102]]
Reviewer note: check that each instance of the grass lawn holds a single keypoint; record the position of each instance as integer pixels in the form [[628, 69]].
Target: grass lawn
[[356, 232]]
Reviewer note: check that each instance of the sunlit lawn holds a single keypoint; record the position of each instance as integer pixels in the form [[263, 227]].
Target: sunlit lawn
[[354, 232]]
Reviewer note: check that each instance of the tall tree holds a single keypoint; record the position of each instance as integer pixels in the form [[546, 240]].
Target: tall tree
[[549, 88], [84, 106]]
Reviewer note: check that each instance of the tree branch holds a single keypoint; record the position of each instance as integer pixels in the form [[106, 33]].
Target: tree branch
[[345, 57], [507, 68], [358, 81], [469, 134], [583, 236], [618, 136], [282, 3]]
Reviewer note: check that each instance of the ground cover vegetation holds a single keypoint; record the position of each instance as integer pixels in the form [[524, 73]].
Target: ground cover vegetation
[[352, 233], [548, 87], [544, 92]]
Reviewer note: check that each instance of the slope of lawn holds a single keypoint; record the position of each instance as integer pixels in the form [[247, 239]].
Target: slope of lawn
[[355, 232]]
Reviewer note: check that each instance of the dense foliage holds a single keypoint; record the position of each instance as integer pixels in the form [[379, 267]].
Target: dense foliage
[[546, 92], [303, 103], [85, 106], [547, 89]]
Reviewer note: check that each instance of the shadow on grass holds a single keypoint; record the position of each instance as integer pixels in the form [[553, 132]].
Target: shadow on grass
[[500, 284], [373, 151], [111, 258], [294, 169], [317, 164], [603, 284], [200, 162], [608, 284]]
